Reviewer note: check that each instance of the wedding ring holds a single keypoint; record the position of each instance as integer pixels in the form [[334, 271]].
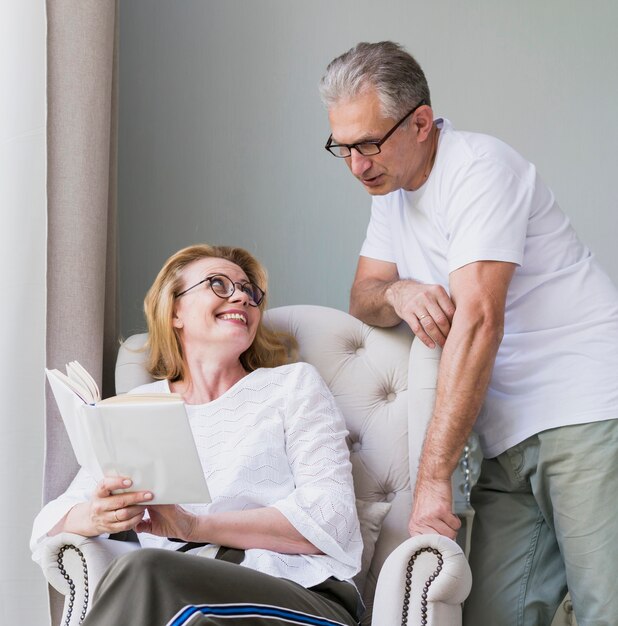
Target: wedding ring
[[420, 317]]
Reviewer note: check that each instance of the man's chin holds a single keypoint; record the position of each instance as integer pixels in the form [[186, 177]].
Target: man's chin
[[376, 186]]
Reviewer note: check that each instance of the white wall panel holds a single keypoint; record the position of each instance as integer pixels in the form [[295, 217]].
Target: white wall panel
[[221, 127], [23, 597]]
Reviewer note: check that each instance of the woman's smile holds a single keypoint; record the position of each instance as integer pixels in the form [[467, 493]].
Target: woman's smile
[[233, 316]]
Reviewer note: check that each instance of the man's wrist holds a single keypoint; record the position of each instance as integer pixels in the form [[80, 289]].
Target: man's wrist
[[391, 292], [434, 469], [434, 477]]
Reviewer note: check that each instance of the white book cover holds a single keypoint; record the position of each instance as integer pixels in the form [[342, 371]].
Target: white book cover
[[147, 438]]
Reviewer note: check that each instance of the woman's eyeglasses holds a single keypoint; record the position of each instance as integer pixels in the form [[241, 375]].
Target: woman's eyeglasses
[[224, 287]]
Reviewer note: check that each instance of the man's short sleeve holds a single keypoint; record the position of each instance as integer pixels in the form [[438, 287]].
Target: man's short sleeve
[[487, 209]]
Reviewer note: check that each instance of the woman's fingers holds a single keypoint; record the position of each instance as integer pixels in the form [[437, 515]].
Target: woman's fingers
[[105, 488], [114, 512], [108, 484], [129, 514]]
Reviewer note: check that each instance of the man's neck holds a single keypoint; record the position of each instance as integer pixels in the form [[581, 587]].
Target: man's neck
[[430, 157]]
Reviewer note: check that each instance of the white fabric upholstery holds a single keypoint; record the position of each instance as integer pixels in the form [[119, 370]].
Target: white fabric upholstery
[[74, 565], [429, 555], [368, 370]]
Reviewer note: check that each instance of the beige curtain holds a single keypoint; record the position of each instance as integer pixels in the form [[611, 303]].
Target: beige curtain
[[82, 57]]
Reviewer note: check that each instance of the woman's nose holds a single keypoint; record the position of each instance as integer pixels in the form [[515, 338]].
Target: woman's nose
[[239, 295]]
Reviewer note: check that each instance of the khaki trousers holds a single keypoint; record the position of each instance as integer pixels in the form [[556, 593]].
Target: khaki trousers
[[546, 519]]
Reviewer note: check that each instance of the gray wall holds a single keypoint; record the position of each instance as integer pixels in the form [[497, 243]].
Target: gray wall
[[221, 127]]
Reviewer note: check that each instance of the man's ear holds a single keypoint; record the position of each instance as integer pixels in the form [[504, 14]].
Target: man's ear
[[423, 122]]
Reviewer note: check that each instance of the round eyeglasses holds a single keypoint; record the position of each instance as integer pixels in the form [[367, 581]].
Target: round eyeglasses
[[224, 287]]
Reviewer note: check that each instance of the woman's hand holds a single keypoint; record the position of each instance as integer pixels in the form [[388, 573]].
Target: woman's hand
[[106, 512], [111, 513], [168, 520]]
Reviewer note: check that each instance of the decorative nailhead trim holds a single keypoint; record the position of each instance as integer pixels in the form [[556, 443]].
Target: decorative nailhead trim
[[72, 584], [406, 597], [464, 465]]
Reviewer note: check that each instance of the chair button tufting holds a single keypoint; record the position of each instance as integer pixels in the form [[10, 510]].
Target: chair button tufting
[[359, 351], [356, 446], [390, 496], [390, 397]]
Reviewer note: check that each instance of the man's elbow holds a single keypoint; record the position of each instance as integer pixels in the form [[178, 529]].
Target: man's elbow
[[494, 333], [358, 304], [485, 324], [355, 309]]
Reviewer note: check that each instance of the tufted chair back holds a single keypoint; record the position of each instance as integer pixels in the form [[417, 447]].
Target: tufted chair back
[[366, 369]]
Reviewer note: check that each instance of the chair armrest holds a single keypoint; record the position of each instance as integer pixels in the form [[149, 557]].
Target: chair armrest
[[426, 578], [74, 565]]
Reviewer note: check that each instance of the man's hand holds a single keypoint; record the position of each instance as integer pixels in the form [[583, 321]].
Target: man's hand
[[433, 509], [380, 298], [427, 309]]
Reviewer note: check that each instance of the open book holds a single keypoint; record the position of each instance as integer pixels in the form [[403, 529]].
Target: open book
[[146, 437]]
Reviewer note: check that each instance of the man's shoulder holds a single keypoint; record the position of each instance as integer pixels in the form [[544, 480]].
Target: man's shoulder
[[464, 146]]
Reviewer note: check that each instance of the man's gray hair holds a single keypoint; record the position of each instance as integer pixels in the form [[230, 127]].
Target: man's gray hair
[[385, 66]]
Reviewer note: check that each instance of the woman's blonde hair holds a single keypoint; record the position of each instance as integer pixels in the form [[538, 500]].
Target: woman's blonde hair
[[166, 359]]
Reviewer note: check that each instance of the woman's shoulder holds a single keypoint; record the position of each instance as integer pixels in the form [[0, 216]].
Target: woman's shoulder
[[290, 372], [158, 386]]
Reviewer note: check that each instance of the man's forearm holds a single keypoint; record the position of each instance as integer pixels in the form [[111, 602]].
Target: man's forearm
[[465, 370], [370, 302], [479, 293]]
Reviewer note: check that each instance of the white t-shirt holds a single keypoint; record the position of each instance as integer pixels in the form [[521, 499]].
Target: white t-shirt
[[276, 438], [558, 361]]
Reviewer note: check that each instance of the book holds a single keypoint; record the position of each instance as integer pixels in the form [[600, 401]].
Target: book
[[146, 437]]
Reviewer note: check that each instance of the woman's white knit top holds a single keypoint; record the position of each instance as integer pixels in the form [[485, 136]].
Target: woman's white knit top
[[276, 438]]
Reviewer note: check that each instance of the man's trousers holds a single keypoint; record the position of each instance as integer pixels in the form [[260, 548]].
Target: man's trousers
[[546, 519]]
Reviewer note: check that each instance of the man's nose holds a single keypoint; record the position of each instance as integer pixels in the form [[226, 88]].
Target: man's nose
[[359, 164]]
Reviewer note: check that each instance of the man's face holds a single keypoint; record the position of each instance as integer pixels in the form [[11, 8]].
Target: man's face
[[397, 165]]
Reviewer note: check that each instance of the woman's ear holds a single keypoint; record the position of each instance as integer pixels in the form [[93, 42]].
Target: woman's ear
[[176, 321]]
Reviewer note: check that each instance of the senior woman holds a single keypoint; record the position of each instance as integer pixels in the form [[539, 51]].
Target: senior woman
[[281, 530]]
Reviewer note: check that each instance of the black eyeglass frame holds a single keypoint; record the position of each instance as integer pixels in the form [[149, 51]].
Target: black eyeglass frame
[[253, 301], [330, 146]]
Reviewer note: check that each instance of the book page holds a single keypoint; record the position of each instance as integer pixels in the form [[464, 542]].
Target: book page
[[70, 405], [78, 373], [152, 444], [71, 385]]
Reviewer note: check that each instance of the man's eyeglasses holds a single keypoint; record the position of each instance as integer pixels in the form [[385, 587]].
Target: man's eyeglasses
[[366, 148], [223, 286]]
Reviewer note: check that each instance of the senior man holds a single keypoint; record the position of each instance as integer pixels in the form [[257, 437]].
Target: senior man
[[468, 246]]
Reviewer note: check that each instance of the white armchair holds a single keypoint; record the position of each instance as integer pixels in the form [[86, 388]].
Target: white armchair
[[385, 386]]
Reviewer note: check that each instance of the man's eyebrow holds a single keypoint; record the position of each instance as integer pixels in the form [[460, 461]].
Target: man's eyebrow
[[367, 138]]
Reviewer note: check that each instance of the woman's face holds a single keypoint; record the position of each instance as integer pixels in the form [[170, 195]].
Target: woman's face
[[203, 318]]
